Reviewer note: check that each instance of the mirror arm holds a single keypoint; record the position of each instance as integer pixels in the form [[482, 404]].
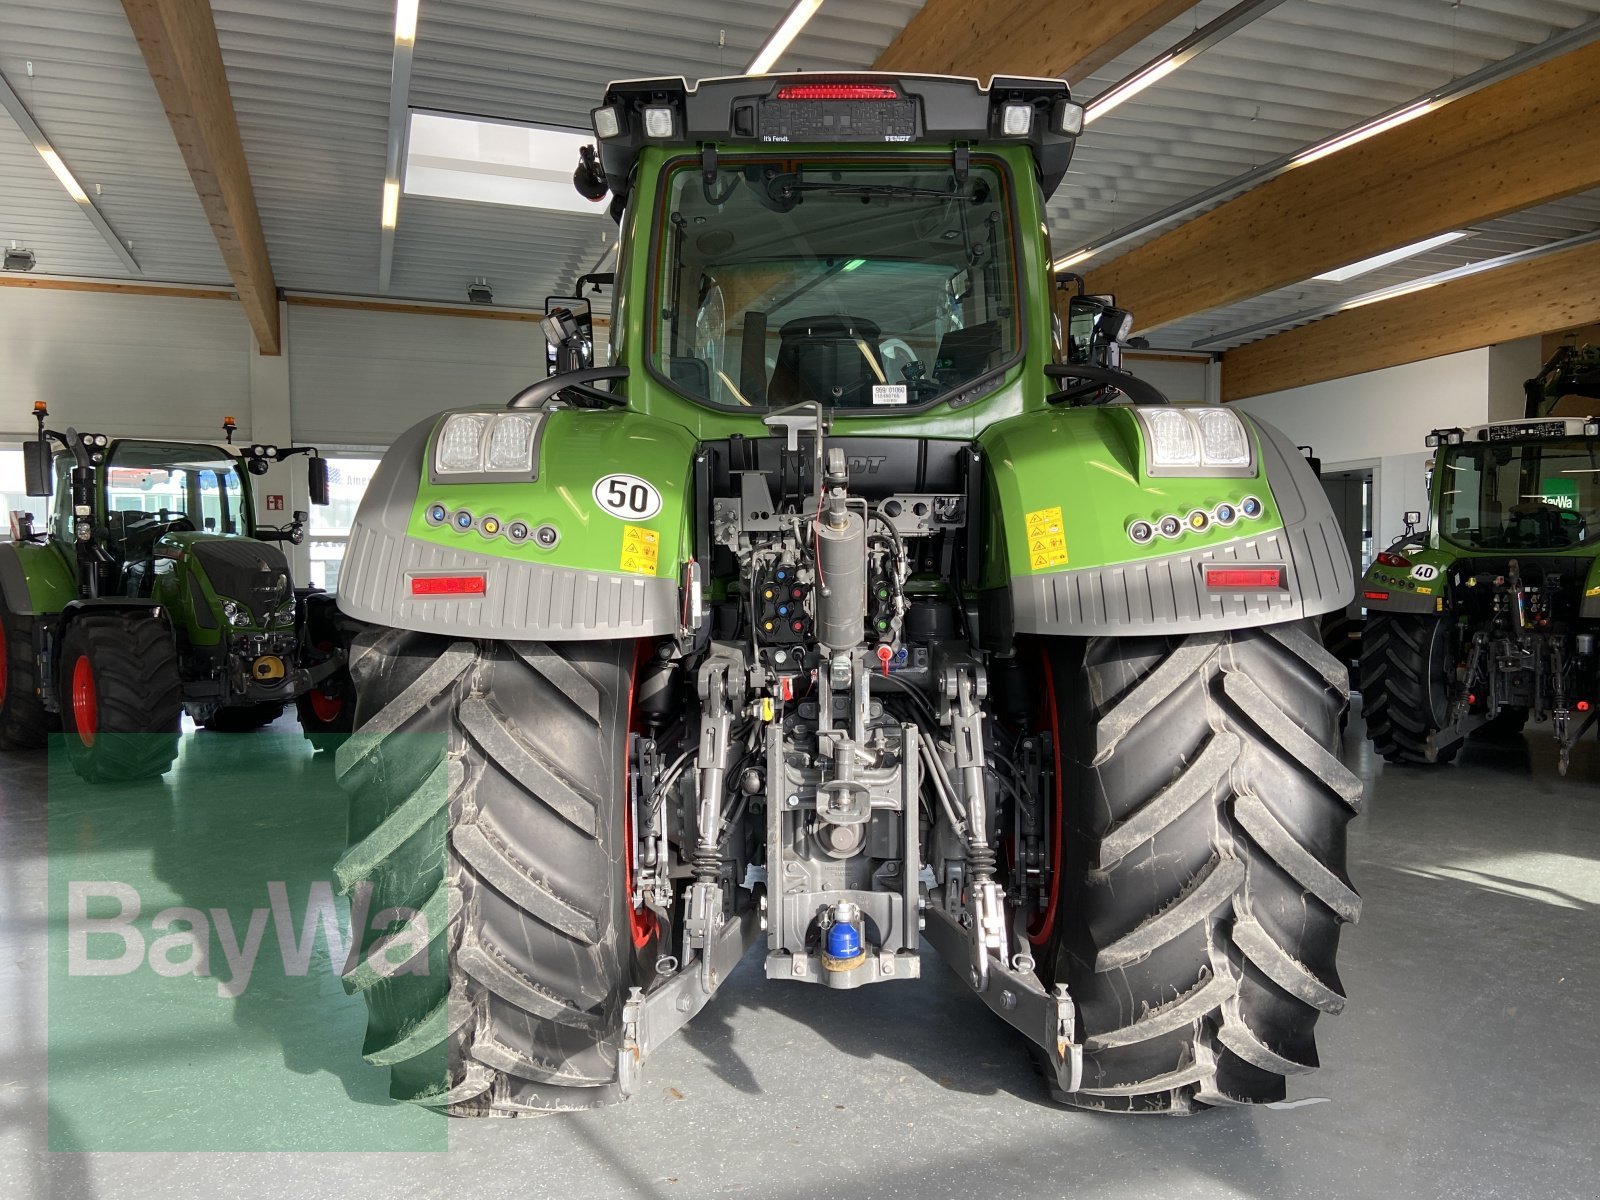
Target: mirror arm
[[535, 394], [1131, 386]]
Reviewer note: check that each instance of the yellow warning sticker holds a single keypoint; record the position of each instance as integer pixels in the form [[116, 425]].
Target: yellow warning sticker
[[1594, 591], [640, 548], [1047, 543]]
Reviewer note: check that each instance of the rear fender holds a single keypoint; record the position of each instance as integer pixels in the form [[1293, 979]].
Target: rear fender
[[35, 578], [599, 573], [1068, 490]]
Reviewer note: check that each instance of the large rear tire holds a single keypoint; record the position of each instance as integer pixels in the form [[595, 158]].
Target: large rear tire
[[121, 698], [487, 784], [1407, 668], [1202, 879], [24, 722]]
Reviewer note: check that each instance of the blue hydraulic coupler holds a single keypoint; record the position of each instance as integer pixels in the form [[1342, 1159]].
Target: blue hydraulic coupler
[[842, 949]]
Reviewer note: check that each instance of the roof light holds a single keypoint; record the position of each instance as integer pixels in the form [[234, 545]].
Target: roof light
[[1073, 260], [405, 22], [837, 91], [852, 265], [1362, 132], [1016, 120], [799, 15], [1341, 274], [391, 203], [448, 585], [59, 168], [1129, 87], [658, 121]]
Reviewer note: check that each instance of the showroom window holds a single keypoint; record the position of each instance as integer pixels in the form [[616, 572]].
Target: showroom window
[[329, 534]]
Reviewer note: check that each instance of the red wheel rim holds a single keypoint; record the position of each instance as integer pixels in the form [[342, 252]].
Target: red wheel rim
[[642, 922], [326, 708], [1041, 925], [85, 702]]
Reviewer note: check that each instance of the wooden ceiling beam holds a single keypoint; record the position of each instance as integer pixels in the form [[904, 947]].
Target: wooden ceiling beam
[[1556, 291], [1073, 38], [1526, 140], [179, 41]]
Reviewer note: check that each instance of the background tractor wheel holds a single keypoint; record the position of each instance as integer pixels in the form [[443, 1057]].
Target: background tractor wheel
[[1201, 883], [121, 700], [242, 718], [1407, 667], [328, 711], [24, 723], [513, 847]]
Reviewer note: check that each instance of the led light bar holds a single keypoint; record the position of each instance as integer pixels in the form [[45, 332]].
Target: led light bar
[[1243, 579], [837, 91]]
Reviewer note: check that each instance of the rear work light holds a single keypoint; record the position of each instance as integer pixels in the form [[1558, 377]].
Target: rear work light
[[1244, 578], [837, 91], [447, 585]]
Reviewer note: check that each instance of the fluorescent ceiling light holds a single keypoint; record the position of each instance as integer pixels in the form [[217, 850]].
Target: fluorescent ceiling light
[[1073, 260], [1130, 87], [53, 161], [391, 203], [852, 264], [1362, 132], [494, 162], [1343, 274], [801, 13], [405, 21]]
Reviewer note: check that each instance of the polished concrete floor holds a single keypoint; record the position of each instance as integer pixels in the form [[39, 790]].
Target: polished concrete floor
[[1467, 1065]]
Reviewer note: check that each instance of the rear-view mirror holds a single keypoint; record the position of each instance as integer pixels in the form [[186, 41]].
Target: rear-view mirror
[[317, 478], [36, 475], [568, 333]]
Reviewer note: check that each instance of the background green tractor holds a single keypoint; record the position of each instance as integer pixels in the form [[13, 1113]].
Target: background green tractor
[[153, 590], [853, 616], [1490, 614]]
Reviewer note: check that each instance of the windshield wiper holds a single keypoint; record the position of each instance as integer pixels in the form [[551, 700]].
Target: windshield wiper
[[784, 187]]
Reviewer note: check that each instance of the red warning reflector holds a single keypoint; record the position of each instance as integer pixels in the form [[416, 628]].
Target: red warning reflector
[[1583, 706], [1374, 595], [837, 91], [447, 585], [1244, 578]]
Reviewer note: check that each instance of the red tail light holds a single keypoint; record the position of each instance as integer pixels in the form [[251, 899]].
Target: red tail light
[[1374, 595], [837, 91], [447, 585], [1583, 706], [1244, 578], [1389, 559]]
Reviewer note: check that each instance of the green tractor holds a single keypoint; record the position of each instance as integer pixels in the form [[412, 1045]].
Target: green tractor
[[860, 604], [1491, 614], [152, 591]]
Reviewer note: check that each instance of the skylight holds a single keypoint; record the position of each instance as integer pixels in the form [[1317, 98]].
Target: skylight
[[495, 162], [1342, 274]]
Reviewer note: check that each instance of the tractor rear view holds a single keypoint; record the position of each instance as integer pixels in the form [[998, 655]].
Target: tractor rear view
[[861, 604], [1491, 615]]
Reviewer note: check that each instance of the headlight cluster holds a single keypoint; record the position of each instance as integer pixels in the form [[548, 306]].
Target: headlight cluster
[[1193, 440], [284, 616], [476, 443], [236, 614]]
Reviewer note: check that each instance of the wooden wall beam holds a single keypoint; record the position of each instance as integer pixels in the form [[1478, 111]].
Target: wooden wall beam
[[1524, 299], [179, 41], [1526, 140], [1073, 38]]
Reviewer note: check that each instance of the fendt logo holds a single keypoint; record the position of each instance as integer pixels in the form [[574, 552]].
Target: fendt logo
[[866, 464]]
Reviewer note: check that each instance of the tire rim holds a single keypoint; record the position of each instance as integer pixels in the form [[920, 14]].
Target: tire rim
[[1042, 925], [325, 707], [85, 701], [642, 923]]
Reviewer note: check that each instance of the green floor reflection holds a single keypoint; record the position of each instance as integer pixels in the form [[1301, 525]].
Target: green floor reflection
[[214, 1019]]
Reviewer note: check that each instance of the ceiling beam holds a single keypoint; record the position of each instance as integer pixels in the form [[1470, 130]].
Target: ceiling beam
[[1073, 38], [179, 41], [1535, 296], [1523, 141]]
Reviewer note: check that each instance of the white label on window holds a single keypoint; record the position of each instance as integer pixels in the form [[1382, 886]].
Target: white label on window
[[888, 393], [1424, 572], [627, 497]]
